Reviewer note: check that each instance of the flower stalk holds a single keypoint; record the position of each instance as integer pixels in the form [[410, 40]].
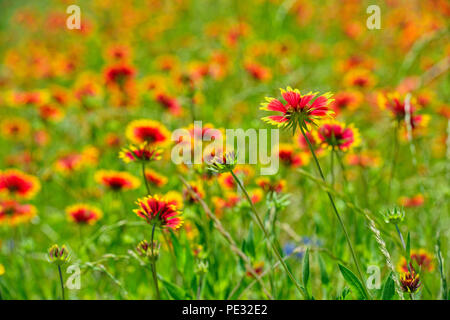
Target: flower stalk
[[341, 222]]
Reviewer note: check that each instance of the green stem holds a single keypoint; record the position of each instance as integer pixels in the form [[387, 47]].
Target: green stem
[[62, 282], [336, 212], [266, 235], [394, 159], [145, 178], [401, 237], [153, 265]]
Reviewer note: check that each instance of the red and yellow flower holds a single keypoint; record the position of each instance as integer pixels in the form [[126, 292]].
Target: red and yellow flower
[[422, 258], [158, 210], [414, 201], [175, 198], [271, 185], [346, 100], [13, 213], [298, 109], [364, 159], [82, 213], [198, 189], [16, 183], [334, 134], [410, 281], [141, 152], [290, 157], [155, 179], [150, 131], [117, 180], [169, 103], [15, 128]]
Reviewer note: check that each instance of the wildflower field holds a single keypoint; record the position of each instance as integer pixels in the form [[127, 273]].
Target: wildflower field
[[119, 180]]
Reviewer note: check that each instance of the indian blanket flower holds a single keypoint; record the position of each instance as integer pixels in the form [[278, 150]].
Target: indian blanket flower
[[198, 189], [49, 112], [119, 74], [257, 71], [298, 110], [82, 213], [69, 163], [421, 258], [346, 100], [228, 201], [414, 201], [227, 181], [364, 159], [169, 103], [150, 131], [361, 78], [175, 198], [258, 267], [117, 180], [13, 213], [14, 128], [410, 281], [155, 179], [301, 143], [290, 157], [157, 210], [271, 185], [395, 103], [142, 152], [16, 183], [337, 135]]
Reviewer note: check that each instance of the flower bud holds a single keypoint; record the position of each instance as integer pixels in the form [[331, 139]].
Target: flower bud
[[394, 215], [202, 267], [58, 255], [223, 163], [145, 250]]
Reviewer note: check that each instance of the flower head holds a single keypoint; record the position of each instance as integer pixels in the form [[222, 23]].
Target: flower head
[[15, 128], [83, 213], [420, 258], [142, 152], [154, 178], [271, 185], [150, 131], [290, 157], [58, 255], [299, 110], [223, 162], [117, 180], [410, 281], [145, 250], [197, 188], [395, 215], [334, 134], [17, 183], [14, 213], [160, 211]]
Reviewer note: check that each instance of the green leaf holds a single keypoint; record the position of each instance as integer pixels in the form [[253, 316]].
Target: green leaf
[[388, 289], [305, 272], [250, 242], [188, 270], [323, 271], [354, 283], [408, 247], [174, 291]]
